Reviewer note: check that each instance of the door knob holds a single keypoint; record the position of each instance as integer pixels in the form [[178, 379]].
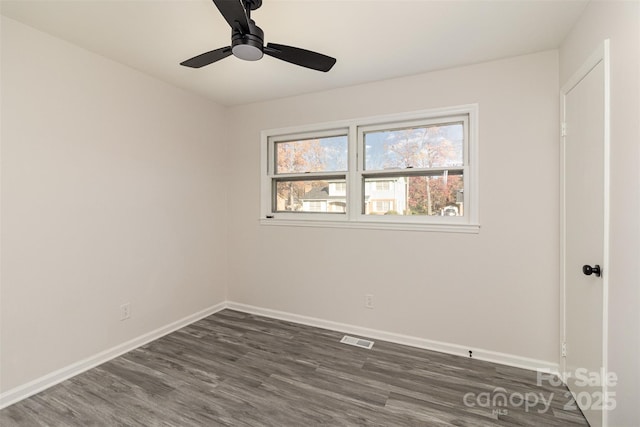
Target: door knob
[[588, 270]]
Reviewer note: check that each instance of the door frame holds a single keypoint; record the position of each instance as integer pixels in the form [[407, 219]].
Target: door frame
[[601, 54]]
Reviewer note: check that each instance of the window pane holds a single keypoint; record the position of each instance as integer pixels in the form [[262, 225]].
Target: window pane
[[311, 196], [421, 147], [311, 155], [436, 195]]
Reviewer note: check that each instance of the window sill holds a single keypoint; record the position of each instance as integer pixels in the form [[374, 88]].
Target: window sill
[[441, 228]]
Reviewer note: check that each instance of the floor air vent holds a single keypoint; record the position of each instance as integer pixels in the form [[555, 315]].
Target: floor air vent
[[358, 342]]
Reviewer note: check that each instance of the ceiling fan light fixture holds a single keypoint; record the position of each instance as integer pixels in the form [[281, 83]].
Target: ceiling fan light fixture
[[248, 46], [247, 52]]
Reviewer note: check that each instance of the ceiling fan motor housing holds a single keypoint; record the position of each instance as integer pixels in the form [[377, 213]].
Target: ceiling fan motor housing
[[248, 46]]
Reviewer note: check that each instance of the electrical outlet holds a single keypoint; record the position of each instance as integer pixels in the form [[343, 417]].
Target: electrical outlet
[[125, 311], [368, 301]]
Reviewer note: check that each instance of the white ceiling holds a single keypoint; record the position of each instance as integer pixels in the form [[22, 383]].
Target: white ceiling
[[371, 39]]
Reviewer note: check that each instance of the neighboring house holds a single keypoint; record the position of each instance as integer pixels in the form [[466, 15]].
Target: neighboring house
[[330, 198], [382, 196], [386, 196]]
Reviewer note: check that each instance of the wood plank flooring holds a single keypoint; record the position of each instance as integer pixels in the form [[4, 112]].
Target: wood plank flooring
[[237, 369]]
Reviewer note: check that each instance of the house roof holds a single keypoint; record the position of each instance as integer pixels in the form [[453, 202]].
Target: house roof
[[320, 193]]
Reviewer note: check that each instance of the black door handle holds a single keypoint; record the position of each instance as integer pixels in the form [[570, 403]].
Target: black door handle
[[588, 270]]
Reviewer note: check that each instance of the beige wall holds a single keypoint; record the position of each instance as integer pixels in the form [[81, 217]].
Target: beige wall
[[620, 22], [112, 191], [497, 290]]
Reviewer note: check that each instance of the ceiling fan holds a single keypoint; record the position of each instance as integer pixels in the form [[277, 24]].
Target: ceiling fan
[[247, 41]]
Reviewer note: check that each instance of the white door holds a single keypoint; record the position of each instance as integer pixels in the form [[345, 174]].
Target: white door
[[585, 233]]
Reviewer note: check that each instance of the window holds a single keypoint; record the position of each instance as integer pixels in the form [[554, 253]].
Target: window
[[307, 170], [408, 171], [382, 206], [315, 206], [383, 185], [339, 188]]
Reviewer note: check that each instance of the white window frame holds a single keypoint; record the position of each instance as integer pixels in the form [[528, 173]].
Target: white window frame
[[354, 129], [270, 139]]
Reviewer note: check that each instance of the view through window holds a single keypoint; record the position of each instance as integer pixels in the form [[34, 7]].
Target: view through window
[[416, 170]]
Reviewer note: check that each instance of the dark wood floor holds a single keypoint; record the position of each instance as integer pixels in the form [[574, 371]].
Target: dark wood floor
[[238, 369]]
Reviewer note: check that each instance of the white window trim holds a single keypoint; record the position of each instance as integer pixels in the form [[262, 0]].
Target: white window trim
[[354, 218]]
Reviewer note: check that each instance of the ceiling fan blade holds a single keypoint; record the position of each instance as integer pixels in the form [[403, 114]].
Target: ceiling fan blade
[[302, 57], [207, 58], [233, 11]]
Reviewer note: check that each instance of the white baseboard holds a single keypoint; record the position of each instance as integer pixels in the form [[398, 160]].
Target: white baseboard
[[29, 389], [443, 347]]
